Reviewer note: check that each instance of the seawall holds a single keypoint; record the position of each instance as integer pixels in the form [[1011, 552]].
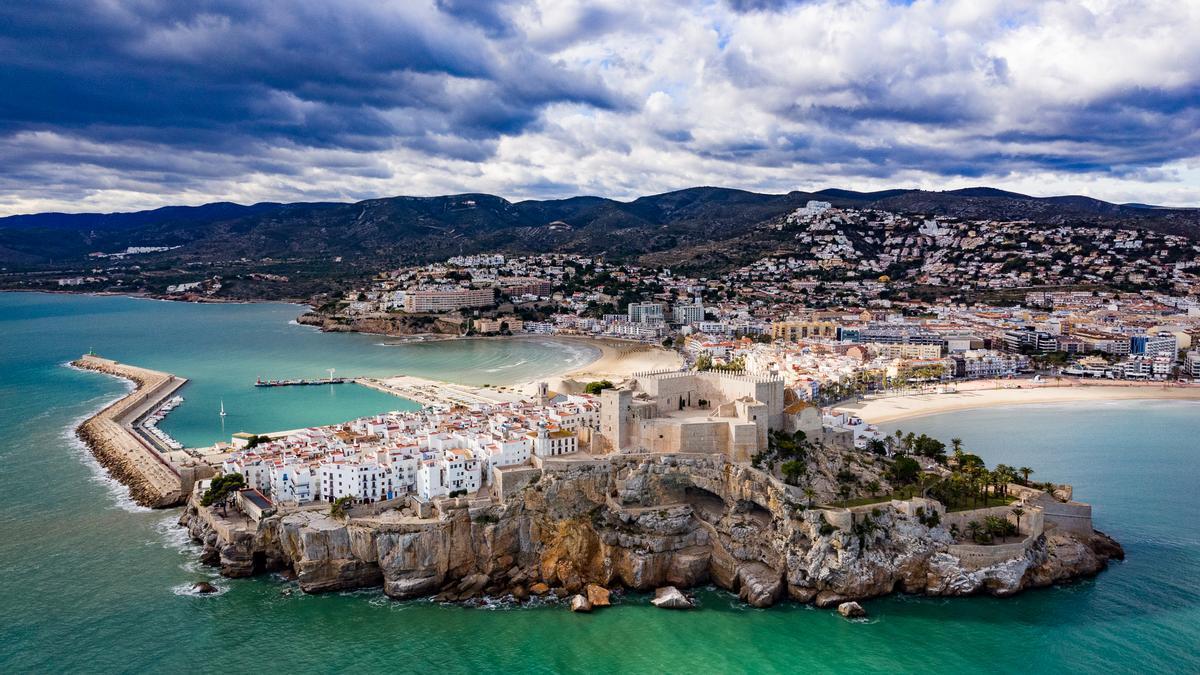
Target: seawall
[[133, 460]]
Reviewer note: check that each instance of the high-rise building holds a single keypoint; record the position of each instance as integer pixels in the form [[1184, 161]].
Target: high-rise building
[[646, 312]]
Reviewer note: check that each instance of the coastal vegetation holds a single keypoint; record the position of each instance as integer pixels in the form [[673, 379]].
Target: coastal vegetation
[[594, 388], [222, 488], [340, 508]]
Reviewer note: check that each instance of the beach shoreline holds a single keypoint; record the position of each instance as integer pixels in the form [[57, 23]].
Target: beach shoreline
[[616, 361], [979, 395]]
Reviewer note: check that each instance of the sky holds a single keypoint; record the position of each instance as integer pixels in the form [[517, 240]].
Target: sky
[[116, 105]]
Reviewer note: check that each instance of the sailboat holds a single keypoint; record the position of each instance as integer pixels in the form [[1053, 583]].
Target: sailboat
[[222, 407]]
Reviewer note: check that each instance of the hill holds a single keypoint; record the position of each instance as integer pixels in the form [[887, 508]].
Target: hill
[[703, 225]]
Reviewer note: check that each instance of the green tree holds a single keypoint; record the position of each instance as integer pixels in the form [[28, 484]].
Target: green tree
[[792, 470], [810, 494], [221, 488], [905, 470], [1025, 473], [594, 388], [876, 446], [844, 492], [340, 507]]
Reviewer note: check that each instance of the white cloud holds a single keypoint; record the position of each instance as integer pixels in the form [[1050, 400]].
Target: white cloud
[[1095, 97]]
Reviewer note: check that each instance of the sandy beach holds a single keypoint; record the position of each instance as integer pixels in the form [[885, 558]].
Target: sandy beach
[[620, 359], [990, 393]]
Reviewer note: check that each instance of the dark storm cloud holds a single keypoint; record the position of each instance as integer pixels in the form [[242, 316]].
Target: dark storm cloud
[[358, 75]]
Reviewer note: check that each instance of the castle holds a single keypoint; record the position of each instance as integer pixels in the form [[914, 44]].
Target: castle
[[703, 412]]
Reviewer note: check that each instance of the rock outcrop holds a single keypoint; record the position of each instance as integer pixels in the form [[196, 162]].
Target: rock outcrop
[[642, 522], [671, 598], [851, 610]]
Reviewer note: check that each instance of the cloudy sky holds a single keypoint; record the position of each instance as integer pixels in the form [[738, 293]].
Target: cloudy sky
[[125, 104]]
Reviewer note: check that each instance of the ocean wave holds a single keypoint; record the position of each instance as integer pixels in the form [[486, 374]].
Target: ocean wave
[[506, 366], [174, 537], [118, 493], [187, 590]]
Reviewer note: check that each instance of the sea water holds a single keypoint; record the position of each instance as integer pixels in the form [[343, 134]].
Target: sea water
[[90, 582]]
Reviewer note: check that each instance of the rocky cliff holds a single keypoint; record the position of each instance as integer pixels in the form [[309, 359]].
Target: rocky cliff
[[640, 522], [385, 324]]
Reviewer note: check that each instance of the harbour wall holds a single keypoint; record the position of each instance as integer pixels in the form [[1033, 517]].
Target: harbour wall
[[128, 456]]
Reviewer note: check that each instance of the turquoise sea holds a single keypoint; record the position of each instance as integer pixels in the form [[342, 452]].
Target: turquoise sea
[[91, 583]]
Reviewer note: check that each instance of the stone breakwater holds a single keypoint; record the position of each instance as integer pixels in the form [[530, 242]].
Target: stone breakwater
[[131, 459], [639, 522]]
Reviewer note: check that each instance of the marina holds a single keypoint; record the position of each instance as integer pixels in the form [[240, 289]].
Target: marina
[[149, 423]]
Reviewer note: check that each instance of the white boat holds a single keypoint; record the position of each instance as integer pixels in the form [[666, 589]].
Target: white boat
[[222, 407]]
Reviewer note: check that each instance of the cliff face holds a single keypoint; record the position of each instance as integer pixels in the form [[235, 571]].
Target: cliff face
[[639, 522]]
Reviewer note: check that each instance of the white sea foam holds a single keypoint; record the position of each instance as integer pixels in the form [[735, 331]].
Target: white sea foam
[[187, 590], [118, 493], [174, 537], [506, 366]]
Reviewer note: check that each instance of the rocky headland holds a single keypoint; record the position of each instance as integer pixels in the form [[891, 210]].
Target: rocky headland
[[643, 522]]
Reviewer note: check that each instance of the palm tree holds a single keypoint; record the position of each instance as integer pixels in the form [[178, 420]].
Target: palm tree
[[1025, 471], [1018, 512], [1004, 476], [873, 487], [973, 530], [809, 494]]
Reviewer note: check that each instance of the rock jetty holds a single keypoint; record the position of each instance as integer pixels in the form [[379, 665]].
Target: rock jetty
[[646, 522], [152, 479]]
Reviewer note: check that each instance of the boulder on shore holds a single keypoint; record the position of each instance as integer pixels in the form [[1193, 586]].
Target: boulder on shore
[[598, 595], [520, 593], [203, 587], [851, 610], [539, 588], [670, 597], [580, 604]]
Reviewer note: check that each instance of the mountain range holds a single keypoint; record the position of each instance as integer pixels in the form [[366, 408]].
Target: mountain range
[[702, 225]]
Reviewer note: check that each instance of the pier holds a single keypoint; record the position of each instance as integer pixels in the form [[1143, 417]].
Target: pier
[[134, 457], [302, 382]]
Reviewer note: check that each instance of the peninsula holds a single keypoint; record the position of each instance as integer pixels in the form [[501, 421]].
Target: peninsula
[[676, 479]]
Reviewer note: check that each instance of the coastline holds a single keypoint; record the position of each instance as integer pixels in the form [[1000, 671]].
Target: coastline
[[1020, 392], [616, 360]]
